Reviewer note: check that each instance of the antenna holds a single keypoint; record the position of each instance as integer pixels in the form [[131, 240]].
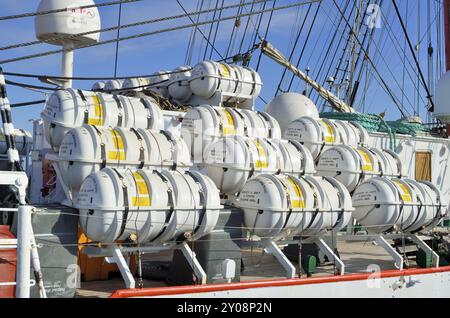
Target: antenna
[[62, 28]]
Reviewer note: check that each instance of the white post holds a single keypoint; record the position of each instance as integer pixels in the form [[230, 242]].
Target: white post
[[23, 252], [67, 64]]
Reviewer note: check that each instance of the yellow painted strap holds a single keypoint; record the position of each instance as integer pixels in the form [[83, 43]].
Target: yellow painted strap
[[119, 149], [144, 194], [367, 161], [262, 162], [229, 127], [224, 70], [406, 195], [299, 202], [329, 135], [98, 118]]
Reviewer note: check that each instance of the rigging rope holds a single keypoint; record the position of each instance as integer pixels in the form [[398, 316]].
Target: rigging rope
[[33, 14], [146, 34]]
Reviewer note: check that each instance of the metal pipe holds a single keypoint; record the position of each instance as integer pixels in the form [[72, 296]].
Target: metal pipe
[[23, 252], [67, 64]]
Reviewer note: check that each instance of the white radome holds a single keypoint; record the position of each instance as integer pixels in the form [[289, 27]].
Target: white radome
[[290, 106], [442, 101], [55, 28]]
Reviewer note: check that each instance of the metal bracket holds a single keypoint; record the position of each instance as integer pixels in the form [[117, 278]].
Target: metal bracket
[[123, 266], [271, 247], [194, 263], [428, 250], [331, 255], [381, 241]]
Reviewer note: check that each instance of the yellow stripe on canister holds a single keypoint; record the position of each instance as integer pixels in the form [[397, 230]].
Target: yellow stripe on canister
[[405, 194], [299, 202], [119, 152], [367, 165], [329, 135], [98, 119], [262, 161], [229, 128], [143, 200]]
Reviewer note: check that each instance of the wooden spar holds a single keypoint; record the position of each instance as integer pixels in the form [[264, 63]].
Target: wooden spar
[[447, 32]]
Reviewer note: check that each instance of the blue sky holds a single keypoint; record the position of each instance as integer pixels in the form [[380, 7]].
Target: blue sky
[[167, 51]]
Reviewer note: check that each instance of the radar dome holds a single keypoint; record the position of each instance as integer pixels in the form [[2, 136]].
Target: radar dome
[[290, 106], [61, 28], [442, 105]]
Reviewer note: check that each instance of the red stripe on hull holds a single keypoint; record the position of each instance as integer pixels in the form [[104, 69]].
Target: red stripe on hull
[[168, 291]]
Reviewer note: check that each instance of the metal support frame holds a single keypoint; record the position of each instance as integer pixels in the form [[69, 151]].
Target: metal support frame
[[428, 250], [118, 255], [328, 251], [382, 242], [194, 263], [123, 266], [270, 247]]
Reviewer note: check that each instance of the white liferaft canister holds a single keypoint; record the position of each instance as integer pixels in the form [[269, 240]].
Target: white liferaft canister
[[352, 166], [352, 133], [22, 139], [231, 161], [69, 108], [147, 206], [277, 206], [259, 124], [135, 84], [315, 134], [88, 149], [98, 86], [178, 85], [209, 77], [204, 124], [385, 205], [158, 83], [113, 86], [297, 159]]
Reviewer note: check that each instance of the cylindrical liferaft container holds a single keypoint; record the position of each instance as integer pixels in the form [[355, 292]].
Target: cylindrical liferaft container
[[319, 134], [209, 77], [352, 166], [205, 124], [98, 86], [178, 85], [136, 84], [22, 139], [88, 149], [113, 86], [70, 108], [403, 205], [158, 83], [316, 134], [231, 161], [352, 133], [277, 206], [147, 206]]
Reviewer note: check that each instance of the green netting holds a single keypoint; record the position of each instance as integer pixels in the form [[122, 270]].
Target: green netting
[[375, 123]]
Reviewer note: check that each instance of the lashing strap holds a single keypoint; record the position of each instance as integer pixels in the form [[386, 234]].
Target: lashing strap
[[126, 204], [202, 202], [120, 108], [171, 205], [102, 148], [149, 117], [141, 149]]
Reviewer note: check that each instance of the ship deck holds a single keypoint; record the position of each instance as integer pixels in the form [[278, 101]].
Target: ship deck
[[357, 257]]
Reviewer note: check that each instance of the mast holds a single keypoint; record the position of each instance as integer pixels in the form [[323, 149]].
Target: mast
[[447, 32]]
